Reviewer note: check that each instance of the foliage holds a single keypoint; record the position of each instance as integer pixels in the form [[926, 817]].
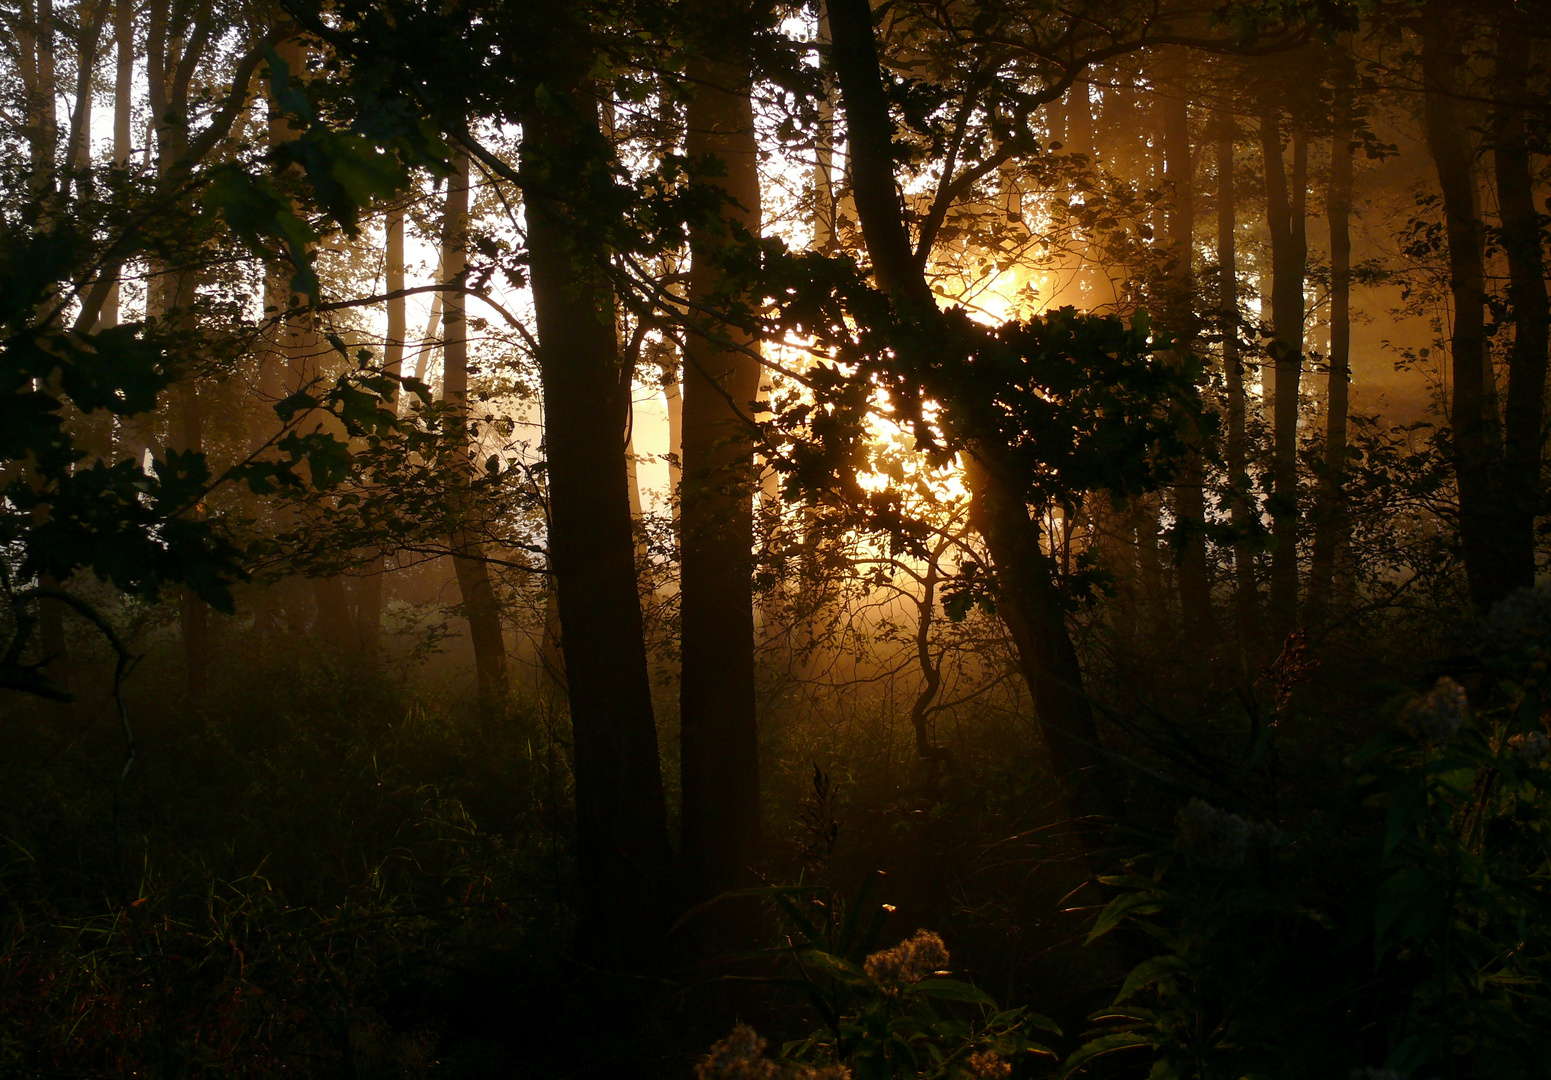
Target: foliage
[[1403, 926]]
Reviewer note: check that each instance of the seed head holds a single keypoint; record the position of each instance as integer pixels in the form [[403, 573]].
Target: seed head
[[819, 1072], [989, 1066], [1436, 716], [909, 961], [1530, 749], [740, 1056]]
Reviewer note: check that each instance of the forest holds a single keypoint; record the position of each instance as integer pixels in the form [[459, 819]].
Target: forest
[[754, 540]]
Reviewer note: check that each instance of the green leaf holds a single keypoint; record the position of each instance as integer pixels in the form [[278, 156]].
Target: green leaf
[[1136, 903], [951, 990], [1104, 1044], [1148, 972]]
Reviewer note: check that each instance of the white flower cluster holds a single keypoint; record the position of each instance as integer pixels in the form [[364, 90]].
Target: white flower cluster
[[1520, 620], [1436, 716], [909, 961], [1212, 837]]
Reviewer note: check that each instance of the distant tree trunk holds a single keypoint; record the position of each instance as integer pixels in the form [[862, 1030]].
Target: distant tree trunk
[[36, 38], [719, 744], [1195, 587], [1245, 600], [1525, 411], [824, 238], [480, 606], [622, 837], [90, 16], [1481, 525], [170, 66], [673, 401], [1028, 599], [369, 593], [1289, 262], [123, 115], [1331, 535]]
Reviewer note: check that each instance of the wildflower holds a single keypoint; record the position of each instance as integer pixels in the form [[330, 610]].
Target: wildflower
[[1530, 749], [1212, 837], [740, 1056], [989, 1066], [1520, 620], [909, 961], [1438, 714]]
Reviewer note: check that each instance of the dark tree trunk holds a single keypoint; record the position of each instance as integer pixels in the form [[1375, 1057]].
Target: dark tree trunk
[[1525, 410], [1331, 532], [1027, 596], [1241, 512], [1195, 589], [480, 606], [622, 841], [719, 744], [1285, 200], [1474, 426]]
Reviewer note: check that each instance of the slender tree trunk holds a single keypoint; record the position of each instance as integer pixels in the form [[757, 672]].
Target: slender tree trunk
[[1331, 530], [1029, 601], [824, 239], [622, 838], [90, 17], [1480, 503], [1525, 412], [1289, 262], [480, 605], [123, 114], [1195, 587], [369, 593], [1245, 599], [719, 745]]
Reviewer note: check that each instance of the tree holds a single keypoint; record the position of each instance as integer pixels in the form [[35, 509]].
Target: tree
[[622, 840], [719, 745]]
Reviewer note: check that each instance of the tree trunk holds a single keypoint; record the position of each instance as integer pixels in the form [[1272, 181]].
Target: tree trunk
[[1195, 588], [1525, 412], [1289, 262], [123, 115], [369, 595], [1245, 598], [719, 745], [480, 605], [90, 15], [1480, 503], [1029, 602], [622, 838], [1331, 536]]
